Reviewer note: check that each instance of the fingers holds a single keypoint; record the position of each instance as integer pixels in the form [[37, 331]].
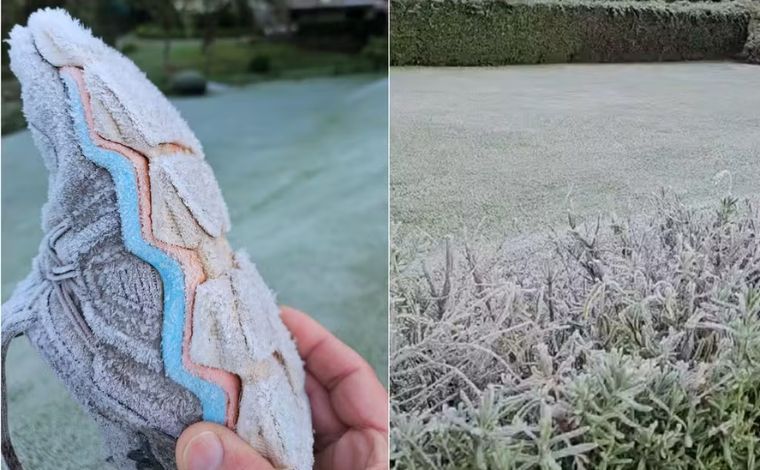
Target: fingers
[[356, 449], [208, 446], [327, 425], [356, 394]]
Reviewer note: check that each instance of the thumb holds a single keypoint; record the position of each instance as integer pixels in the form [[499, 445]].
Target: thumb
[[208, 446]]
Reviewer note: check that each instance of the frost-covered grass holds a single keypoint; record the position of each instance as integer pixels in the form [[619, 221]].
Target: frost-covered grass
[[622, 344], [506, 150]]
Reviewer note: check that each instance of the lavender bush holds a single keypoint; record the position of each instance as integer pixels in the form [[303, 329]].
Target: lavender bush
[[624, 344]]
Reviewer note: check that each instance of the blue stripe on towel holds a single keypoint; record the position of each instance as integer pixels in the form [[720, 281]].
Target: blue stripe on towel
[[211, 396]]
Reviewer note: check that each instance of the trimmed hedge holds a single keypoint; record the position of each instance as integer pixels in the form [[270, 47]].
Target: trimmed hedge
[[659, 1], [751, 51], [500, 32]]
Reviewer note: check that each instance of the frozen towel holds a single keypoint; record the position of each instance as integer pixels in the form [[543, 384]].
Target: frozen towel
[[135, 299]]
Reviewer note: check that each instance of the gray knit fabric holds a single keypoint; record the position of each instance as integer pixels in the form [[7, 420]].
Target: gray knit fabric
[[90, 308]]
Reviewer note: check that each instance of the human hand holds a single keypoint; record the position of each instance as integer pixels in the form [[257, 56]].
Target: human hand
[[349, 411]]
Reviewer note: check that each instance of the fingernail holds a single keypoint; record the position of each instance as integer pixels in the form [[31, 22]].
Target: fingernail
[[204, 452]]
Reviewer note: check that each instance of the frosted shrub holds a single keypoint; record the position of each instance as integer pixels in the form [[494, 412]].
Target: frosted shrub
[[624, 344]]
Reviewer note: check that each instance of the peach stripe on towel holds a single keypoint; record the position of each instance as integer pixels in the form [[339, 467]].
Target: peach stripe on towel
[[188, 259]]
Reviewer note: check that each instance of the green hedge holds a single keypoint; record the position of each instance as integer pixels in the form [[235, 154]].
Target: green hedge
[[499, 32]]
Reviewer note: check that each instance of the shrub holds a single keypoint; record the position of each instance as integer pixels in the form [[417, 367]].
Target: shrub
[[12, 117], [618, 344], [498, 32], [188, 82], [260, 64], [376, 52], [129, 48]]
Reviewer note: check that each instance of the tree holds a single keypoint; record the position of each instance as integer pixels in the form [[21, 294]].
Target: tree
[[164, 13], [211, 12]]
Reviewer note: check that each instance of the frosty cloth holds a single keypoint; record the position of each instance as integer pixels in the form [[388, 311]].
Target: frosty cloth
[[190, 265], [211, 397], [136, 300]]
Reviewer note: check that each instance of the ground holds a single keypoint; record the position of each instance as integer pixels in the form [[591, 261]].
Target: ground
[[303, 168], [511, 149]]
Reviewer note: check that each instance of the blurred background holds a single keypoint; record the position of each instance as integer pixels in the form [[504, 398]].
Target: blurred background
[[289, 99], [183, 44]]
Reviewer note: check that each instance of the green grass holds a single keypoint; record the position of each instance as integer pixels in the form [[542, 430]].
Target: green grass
[[231, 58]]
